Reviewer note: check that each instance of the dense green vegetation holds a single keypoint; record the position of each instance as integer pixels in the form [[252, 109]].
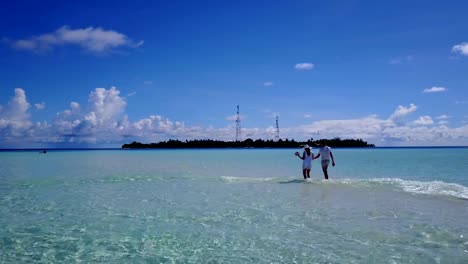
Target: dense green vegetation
[[249, 143]]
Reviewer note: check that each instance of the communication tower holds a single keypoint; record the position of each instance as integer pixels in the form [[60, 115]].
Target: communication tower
[[238, 125], [277, 135]]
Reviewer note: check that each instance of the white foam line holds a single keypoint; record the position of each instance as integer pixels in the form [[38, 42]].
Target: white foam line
[[420, 187], [247, 179]]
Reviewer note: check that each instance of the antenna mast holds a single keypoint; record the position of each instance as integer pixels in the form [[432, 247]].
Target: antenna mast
[[277, 135], [238, 127]]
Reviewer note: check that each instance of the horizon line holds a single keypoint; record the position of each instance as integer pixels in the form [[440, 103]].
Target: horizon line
[[120, 148]]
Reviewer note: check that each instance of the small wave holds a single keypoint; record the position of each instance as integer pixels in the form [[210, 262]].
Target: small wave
[[248, 179], [419, 187], [438, 188]]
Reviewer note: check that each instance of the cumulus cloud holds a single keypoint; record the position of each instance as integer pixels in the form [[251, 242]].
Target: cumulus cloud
[[385, 132], [96, 40], [102, 120], [105, 105], [18, 106], [268, 83], [304, 66], [40, 106], [435, 89], [442, 122], [366, 127], [461, 48], [443, 117], [16, 112], [424, 121], [14, 117], [102, 116], [402, 111]]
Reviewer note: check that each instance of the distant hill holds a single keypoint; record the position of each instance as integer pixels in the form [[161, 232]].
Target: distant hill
[[248, 143]]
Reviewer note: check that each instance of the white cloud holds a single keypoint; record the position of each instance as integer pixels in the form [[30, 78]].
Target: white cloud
[[385, 132], [100, 121], [105, 105], [304, 66], [96, 40], [402, 111], [19, 106], [25, 44], [148, 82], [435, 89], [443, 117], [103, 121], [131, 94], [461, 48], [443, 122], [268, 83], [367, 127], [74, 110], [423, 121], [307, 115], [14, 117], [75, 106], [40, 106]]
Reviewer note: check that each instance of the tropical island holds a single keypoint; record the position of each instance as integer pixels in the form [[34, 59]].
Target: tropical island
[[248, 143]]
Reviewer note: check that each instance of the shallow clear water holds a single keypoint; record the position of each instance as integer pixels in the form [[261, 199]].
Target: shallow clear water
[[233, 206]]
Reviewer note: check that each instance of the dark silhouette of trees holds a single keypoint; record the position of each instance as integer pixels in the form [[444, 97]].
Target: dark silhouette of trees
[[248, 143]]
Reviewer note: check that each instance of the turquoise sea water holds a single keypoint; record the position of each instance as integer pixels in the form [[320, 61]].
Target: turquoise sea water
[[233, 206]]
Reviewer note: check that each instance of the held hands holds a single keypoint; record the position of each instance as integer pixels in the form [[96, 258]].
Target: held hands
[[333, 164]]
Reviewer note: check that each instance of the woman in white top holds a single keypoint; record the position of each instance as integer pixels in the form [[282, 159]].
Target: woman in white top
[[307, 157]]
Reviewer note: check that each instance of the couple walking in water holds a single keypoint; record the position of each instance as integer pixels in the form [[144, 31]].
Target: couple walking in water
[[307, 157]]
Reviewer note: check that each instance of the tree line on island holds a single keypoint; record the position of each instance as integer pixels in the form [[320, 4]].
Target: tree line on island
[[248, 143]]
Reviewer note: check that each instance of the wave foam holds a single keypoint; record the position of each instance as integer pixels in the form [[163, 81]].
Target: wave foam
[[418, 187], [247, 179], [432, 187]]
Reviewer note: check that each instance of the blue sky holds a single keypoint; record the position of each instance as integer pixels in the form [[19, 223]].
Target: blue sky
[[88, 74]]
